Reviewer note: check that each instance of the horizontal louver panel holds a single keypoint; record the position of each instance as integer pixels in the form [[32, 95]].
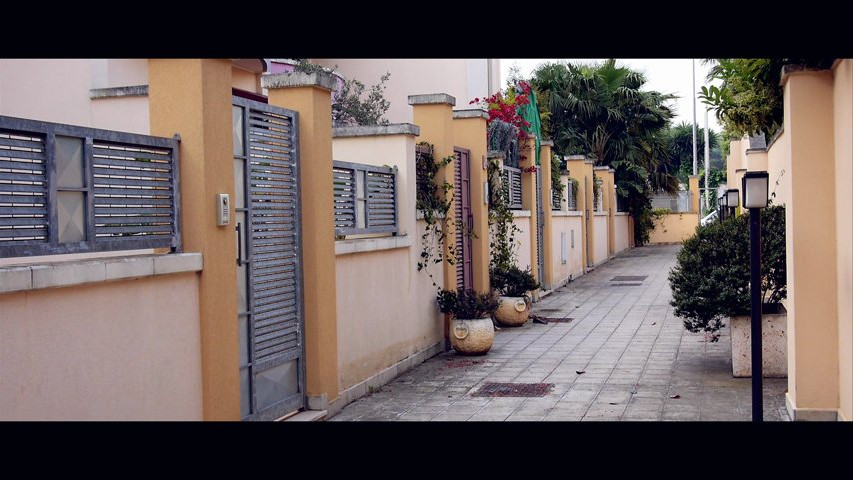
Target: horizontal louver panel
[[23, 188]]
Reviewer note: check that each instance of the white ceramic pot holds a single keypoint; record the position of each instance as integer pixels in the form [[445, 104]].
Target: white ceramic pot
[[774, 345], [472, 336], [513, 311]]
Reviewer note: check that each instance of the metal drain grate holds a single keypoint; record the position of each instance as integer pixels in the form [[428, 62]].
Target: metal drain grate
[[491, 389], [629, 278], [625, 284], [556, 319]]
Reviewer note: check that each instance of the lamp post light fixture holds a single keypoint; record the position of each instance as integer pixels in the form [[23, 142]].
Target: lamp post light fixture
[[755, 198], [732, 199]]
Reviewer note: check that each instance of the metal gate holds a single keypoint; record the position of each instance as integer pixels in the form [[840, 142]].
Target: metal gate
[[462, 210], [540, 220], [269, 266]]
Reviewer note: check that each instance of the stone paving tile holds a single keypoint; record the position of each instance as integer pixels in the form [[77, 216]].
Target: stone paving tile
[[635, 355]]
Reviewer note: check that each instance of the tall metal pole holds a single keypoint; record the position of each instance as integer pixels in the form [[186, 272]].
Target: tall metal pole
[[707, 162], [693, 95], [755, 312]]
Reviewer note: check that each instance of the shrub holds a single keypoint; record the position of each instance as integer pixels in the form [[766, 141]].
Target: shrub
[[513, 282], [467, 304], [711, 278]]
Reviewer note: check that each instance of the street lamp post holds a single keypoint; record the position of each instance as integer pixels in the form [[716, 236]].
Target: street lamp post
[[755, 198], [732, 200]]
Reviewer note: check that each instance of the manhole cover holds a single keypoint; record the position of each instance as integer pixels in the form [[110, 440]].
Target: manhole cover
[[549, 310], [556, 319], [629, 278], [491, 389], [625, 284]]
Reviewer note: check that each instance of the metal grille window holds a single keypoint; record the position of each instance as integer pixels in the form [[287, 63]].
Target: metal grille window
[[512, 186], [597, 197], [572, 196], [365, 198], [69, 189], [679, 202], [556, 199]]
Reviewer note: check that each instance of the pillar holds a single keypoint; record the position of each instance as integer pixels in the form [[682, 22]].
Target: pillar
[[310, 96], [192, 97], [693, 186], [433, 113], [581, 169], [813, 373], [528, 199], [610, 208], [547, 232]]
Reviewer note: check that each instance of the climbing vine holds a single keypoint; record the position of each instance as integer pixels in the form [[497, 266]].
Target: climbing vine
[[504, 230], [556, 185], [434, 200]]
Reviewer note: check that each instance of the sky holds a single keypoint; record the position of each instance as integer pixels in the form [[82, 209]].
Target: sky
[[667, 75]]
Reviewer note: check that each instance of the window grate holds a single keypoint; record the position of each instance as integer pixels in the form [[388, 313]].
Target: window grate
[[365, 198]]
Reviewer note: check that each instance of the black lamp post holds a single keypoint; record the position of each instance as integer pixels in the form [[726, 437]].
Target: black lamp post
[[732, 200], [755, 198], [721, 206]]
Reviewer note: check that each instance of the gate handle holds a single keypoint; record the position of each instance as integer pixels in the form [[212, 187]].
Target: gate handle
[[239, 245]]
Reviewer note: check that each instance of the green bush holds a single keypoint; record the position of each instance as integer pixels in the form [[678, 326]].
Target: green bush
[[467, 304], [513, 282], [711, 278]]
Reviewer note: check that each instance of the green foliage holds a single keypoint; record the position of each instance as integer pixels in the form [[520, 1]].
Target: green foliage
[[513, 282], [348, 108], [435, 206], [467, 304], [749, 99], [680, 147], [711, 278], [604, 112], [501, 224], [303, 65]]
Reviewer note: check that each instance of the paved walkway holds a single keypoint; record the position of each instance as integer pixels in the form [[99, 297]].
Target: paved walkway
[[638, 362]]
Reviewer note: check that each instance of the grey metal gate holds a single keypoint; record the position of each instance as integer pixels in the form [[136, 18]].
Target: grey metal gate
[[269, 280], [462, 206], [540, 219]]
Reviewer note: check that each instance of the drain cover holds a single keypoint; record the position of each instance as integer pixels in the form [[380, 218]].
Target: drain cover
[[491, 389], [625, 284], [629, 278], [461, 362]]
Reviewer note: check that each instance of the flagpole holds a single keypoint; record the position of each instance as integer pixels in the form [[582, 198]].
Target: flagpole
[[693, 95]]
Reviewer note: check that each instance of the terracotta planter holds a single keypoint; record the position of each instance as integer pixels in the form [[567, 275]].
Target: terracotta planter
[[472, 336], [774, 343], [513, 311]]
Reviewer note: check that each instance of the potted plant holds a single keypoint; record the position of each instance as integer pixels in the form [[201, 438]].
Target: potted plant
[[711, 282], [471, 328], [513, 285]]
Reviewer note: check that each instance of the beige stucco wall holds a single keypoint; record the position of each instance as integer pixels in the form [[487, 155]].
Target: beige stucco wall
[[524, 249], [57, 90], [461, 78], [778, 166], [574, 263], [843, 123], [621, 231], [124, 350], [674, 228], [386, 308], [600, 247]]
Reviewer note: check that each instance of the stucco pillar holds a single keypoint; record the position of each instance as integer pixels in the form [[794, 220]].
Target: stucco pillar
[[547, 222], [310, 96], [528, 198], [581, 169], [810, 246], [433, 113], [693, 186], [469, 130], [193, 98], [610, 207]]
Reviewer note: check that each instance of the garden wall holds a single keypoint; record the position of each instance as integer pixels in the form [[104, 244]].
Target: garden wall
[[569, 224], [621, 232], [674, 228]]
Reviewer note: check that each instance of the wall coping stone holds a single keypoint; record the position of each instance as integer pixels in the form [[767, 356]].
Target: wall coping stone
[[432, 98], [375, 130], [112, 92], [471, 113], [372, 244], [299, 79]]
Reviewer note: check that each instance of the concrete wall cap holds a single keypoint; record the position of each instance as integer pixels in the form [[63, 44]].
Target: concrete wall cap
[[128, 91], [496, 154], [575, 157], [372, 130], [299, 79], [432, 98], [547, 143], [775, 137], [791, 68], [601, 168], [471, 113], [755, 150]]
